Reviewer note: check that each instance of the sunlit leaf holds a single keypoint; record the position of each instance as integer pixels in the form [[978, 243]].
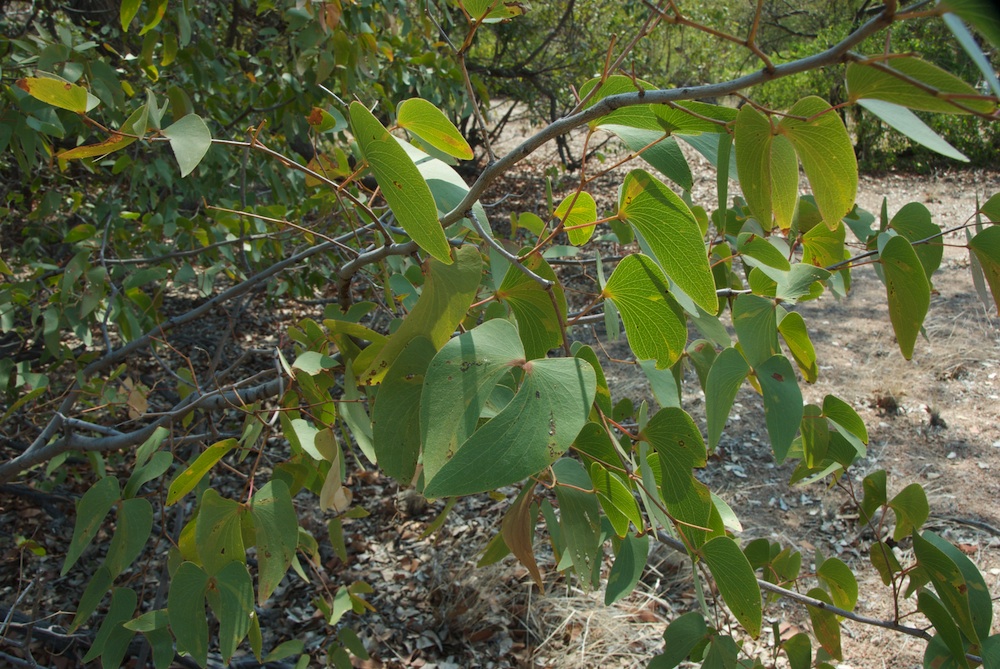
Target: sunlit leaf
[[638, 289], [827, 154], [893, 80], [430, 124], [401, 183], [672, 233]]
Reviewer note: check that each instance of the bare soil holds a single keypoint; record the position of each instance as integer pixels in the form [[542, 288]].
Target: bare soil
[[934, 420]]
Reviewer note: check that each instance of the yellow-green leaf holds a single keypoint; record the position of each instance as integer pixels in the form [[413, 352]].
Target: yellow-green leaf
[[893, 80], [827, 156], [672, 233], [56, 92], [430, 124], [578, 209], [638, 289], [447, 294]]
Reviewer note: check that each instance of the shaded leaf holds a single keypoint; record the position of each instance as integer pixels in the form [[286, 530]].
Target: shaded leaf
[[907, 290], [447, 294], [782, 403], [190, 140], [90, 513], [276, 535], [627, 569], [724, 380], [736, 581]]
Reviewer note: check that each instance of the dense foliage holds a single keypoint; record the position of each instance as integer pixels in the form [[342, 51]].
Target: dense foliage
[[201, 155]]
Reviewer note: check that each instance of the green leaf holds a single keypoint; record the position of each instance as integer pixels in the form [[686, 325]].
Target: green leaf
[[616, 499], [285, 650], [112, 639], [755, 322], [884, 561], [674, 435], [665, 155], [276, 528], [672, 233], [483, 355], [190, 140], [815, 435], [793, 330], [760, 249], [535, 428], [891, 80], [603, 398], [627, 568], [847, 420], [911, 510], [980, 600], [827, 156], [578, 209], [135, 522], [753, 136], [230, 595], [156, 467], [93, 595], [782, 403], [736, 581], [57, 92], [725, 377], [694, 511], [186, 609], [218, 532], [822, 246], [799, 651], [909, 124], [579, 519], [187, 480], [841, 581], [397, 409], [537, 318], [90, 513], [638, 289], [492, 11], [430, 124], [949, 583], [681, 637], [448, 291], [401, 183], [913, 221], [947, 630], [907, 290], [985, 246], [982, 14], [825, 624]]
